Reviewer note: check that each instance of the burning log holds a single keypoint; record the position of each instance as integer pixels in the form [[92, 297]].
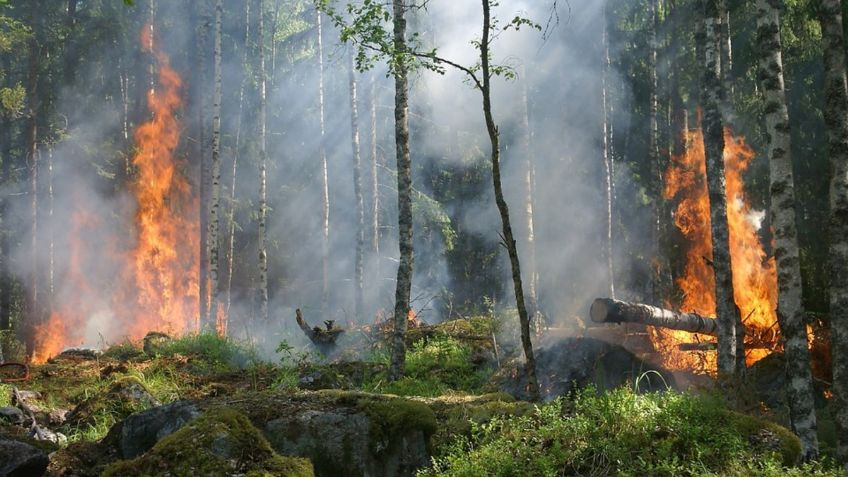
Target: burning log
[[607, 310], [323, 338]]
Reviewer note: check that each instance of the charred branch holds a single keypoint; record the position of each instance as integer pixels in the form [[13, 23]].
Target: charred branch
[[323, 338]]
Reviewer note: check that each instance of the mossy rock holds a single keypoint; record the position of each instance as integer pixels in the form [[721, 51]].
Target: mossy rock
[[123, 397], [222, 442], [765, 436], [341, 375], [345, 432]]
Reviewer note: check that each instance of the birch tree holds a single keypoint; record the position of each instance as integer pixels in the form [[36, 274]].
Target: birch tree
[[836, 119], [711, 98], [790, 310], [263, 166], [358, 278], [325, 187], [215, 196]]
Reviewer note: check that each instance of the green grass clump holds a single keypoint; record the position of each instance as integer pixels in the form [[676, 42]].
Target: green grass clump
[[435, 366], [5, 395], [213, 353], [624, 434], [123, 351], [222, 442]]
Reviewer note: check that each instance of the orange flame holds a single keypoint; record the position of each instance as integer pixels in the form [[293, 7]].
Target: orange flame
[[754, 273], [163, 267], [158, 286]]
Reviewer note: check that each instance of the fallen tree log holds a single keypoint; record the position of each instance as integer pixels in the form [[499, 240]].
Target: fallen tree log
[[607, 310]]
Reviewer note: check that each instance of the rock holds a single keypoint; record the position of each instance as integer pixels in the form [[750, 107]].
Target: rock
[[121, 398], [41, 433], [222, 442], [18, 459], [79, 354], [12, 415], [141, 431], [57, 417], [347, 433], [569, 364]]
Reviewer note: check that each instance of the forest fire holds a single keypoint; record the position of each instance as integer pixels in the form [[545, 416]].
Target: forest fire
[[158, 284], [754, 273], [162, 273]]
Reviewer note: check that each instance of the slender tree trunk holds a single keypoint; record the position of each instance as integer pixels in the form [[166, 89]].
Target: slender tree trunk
[[607, 157], [325, 187], [51, 250], [726, 310], [836, 118], [503, 209], [33, 309], [263, 164], [237, 151], [201, 93], [725, 46], [657, 268], [358, 275], [790, 309], [214, 206], [529, 183], [404, 187], [375, 182]]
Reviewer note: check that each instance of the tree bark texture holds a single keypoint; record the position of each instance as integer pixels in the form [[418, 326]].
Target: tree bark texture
[[359, 265], [215, 193], [790, 309], [711, 97], [503, 209], [325, 187], [608, 310], [403, 286], [201, 98], [607, 157], [263, 166], [836, 119]]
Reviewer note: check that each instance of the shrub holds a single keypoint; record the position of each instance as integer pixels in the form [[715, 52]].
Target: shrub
[[621, 433]]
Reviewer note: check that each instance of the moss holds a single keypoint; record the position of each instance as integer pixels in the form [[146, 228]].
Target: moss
[[123, 397], [391, 417], [222, 442], [456, 415], [756, 430]]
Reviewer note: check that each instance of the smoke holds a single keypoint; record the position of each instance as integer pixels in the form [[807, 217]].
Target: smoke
[[560, 71]]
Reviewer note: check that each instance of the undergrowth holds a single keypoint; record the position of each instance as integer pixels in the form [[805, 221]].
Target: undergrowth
[[434, 366], [624, 434]]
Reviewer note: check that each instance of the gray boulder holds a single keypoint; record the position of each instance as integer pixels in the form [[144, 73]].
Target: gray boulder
[[11, 415], [18, 459], [141, 431]]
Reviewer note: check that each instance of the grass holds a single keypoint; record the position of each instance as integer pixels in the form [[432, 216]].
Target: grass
[[624, 434], [435, 366]]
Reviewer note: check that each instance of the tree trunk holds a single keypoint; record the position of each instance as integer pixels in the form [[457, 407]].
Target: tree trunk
[[529, 192], [711, 97], [790, 309], [214, 205], [836, 118], [33, 310], [607, 310], [358, 275], [658, 290], [236, 152], [607, 156], [725, 46], [375, 182], [263, 164], [325, 187], [406, 261], [200, 95], [509, 241]]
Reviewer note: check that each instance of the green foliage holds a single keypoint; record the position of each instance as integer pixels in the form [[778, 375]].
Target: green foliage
[[213, 353], [123, 351], [622, 433], [5, 395], [434, 366]]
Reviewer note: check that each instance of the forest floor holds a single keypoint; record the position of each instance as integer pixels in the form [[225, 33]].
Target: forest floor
[[227, 412]]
